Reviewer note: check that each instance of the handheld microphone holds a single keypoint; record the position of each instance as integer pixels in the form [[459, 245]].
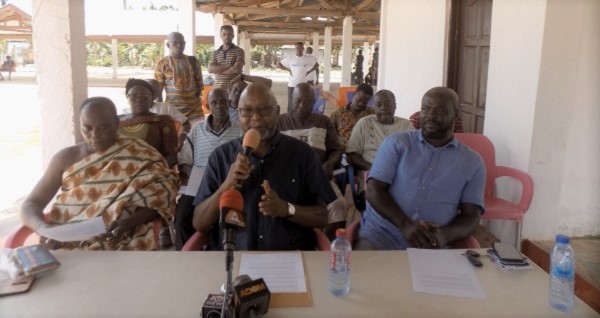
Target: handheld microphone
[[250, 143], [213, 305], [231, 218], [252, 297]]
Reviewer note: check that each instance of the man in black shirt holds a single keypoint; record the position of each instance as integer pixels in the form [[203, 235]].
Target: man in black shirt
[[282, 218]]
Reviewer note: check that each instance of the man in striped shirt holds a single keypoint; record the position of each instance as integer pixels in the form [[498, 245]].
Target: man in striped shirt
[[226, 61], [205, 136]]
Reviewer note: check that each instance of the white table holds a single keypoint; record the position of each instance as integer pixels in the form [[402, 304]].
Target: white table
[[175, 284]]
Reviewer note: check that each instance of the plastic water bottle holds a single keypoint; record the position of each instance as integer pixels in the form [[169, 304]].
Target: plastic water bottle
[[339, 265], [562, 275]]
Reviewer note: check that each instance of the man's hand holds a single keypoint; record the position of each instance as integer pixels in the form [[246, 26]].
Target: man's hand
[[420, 234], [271, 204], [239, 170]]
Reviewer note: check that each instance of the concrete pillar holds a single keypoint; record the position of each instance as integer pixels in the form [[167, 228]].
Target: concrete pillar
[[236, 38], [346, 51], [115, 57], [166, 47], [242, 44], [219, 21], [409, 65], [59, 51], [366, 53], [248, 55], [187, 25], [315, 42], [327, 59]]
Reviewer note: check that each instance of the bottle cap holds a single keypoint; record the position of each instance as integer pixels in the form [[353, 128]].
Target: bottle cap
[[340, 233], [562, 239]]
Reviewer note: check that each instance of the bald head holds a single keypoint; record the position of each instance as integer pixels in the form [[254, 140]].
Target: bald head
[[99, 123], [258, 91], [176, 44], [445, 94], [386, 94], [303, 99]]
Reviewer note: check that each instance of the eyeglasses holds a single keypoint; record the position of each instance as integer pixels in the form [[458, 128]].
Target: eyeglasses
[[261, 111], [138, 96]]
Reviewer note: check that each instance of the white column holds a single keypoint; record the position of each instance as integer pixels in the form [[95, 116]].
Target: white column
[[236, 39], [219, 20], [115, 57], [166, 47], [327, 59], [247, 56], [59, 51], [187, 25], [306, 44], [315, 43], [242, 44], [409, 65], [346, 51], [366, 54]]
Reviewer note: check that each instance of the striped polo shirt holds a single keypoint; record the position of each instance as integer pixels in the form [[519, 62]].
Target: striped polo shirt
[[226, 57]]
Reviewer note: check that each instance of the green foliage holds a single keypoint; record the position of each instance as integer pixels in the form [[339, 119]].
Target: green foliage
[[203, 53], [265, 56], [129, 54]]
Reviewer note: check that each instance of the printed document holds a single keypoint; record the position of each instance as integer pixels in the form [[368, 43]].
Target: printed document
[[283, 272], [74, 232], [443, 272]]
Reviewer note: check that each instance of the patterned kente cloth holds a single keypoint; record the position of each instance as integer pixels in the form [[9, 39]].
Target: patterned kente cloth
[[182, 80], [113, 184]]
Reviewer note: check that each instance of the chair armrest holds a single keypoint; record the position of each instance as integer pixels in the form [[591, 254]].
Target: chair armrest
[[323, 243], [18, 236], [195, 243], [526, 183]]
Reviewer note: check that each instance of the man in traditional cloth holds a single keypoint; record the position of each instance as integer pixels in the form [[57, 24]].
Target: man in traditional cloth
[[181, 76], [121, 179]]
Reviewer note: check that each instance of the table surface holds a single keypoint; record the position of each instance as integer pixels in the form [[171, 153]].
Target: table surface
[[175, 284]]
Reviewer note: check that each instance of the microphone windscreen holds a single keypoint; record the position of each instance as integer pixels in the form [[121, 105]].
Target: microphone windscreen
[[231, 199], [251, 139], [242, 279]]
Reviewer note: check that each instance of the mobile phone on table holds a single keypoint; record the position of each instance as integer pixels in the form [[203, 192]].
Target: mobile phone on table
[[507, 252]]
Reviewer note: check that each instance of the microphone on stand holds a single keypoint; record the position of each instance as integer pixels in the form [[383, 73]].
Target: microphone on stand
[[231, 219], [250, 143], [252, 297]]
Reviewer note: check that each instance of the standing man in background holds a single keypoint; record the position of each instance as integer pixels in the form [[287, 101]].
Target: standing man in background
[[181, 77], [228, 60], [299, 66]]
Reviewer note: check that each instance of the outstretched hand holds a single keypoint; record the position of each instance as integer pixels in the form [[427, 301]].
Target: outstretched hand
[[420, 234], [271, 204]]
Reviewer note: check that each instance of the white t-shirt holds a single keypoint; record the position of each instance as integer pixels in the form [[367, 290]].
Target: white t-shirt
[[299, 65]]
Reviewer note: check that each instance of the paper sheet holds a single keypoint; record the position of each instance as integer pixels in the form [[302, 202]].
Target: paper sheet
[[73, 232], [283, 272], [193, 182], [443, 272]]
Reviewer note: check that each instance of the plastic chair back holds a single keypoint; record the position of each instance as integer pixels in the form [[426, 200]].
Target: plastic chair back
[[319, 107], [342, 97], [205, 90]]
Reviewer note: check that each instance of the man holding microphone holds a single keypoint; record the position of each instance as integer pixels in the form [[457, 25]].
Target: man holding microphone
[[284, 187]]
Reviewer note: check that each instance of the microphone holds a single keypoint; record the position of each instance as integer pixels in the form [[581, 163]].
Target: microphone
[[231, 218], [213, 305], [250, 143], [252, 297]]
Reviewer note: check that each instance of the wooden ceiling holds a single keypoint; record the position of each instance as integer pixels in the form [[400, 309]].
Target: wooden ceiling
[[277, 22], [14, 23]]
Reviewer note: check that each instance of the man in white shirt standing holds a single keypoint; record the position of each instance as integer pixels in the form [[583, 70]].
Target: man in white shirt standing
[[299, 66]]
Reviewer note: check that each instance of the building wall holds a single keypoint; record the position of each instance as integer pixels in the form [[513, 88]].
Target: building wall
[[412, 50], [541, 115]]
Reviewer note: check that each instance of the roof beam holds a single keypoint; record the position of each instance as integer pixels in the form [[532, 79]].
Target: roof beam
[[302, 25], [206, 8], [365, 5]]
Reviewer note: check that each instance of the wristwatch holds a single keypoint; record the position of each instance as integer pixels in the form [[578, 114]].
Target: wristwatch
[[291, 210]]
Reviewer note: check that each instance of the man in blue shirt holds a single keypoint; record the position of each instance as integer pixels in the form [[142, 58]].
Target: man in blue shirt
[[425, 189], [282, 214]]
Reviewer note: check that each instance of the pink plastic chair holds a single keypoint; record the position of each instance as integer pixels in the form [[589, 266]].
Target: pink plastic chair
[[497, 208], [18, 236], [469, 242], [199, 240]]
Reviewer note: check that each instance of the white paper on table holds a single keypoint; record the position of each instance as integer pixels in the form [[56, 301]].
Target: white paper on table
[[72, 232], [193, 182], [283, 272], [443, 272]]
